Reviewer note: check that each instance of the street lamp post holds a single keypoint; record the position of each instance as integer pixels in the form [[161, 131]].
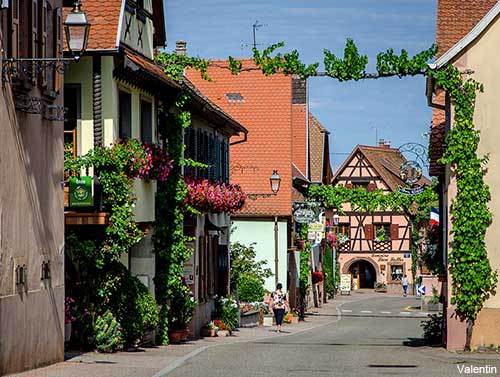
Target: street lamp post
[[336, 219]]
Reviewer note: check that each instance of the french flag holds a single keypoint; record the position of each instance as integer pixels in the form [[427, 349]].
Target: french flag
[[434, 217]]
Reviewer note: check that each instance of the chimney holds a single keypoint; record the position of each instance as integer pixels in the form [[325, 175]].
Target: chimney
[[180, 47], [384, 144]]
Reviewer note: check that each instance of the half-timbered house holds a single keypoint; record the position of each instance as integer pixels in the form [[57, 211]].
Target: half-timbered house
[[374, 247]]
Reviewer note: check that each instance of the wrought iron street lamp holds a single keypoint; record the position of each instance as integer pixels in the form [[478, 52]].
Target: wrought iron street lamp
[[76, 27], [275, 181]]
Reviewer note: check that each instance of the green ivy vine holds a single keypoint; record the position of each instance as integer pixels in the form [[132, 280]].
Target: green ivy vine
[[113, 166], [169, 240], [473, 279]]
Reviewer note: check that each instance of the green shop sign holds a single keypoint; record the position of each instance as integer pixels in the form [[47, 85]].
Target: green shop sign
[[80, 192]]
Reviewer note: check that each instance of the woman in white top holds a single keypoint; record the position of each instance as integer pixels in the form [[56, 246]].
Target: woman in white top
[[278, 304]]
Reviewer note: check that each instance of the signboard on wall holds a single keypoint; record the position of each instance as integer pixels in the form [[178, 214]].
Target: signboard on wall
[[80, 192], [345, 284]]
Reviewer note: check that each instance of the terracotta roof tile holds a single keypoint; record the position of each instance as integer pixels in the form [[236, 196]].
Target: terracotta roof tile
[[456, 18], [386, 161], [316, 148], [104, 17], [265, 110]]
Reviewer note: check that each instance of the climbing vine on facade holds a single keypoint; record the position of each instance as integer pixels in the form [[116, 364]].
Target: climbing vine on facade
[[170, 243]]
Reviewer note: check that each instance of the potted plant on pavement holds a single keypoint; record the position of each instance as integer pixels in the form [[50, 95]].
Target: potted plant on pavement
[[227, 310], [209, 329], [182, 306]]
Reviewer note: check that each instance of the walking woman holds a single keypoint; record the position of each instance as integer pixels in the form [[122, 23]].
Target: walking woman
[[279, 304]]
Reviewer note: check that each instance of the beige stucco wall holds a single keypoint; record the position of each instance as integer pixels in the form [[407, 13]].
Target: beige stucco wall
[[31, 231], [483, 59], [131, 37]]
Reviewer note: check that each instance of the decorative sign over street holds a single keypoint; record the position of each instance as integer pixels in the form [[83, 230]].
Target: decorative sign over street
[[411, 170], [305, 212], [80, 192]]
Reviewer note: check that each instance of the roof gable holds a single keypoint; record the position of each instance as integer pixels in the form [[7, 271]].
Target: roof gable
[[385, 161]]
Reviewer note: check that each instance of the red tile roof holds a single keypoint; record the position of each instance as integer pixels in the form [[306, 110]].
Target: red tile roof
[[263, 105], [104, 18], [386, 162], [456, 18]]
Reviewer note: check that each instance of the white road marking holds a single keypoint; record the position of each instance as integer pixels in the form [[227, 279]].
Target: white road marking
[[366, 311], [385, 312], [404, 313], [346, 311]]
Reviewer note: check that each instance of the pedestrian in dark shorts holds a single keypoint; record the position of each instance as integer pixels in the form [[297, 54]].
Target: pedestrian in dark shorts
[[279, 304]]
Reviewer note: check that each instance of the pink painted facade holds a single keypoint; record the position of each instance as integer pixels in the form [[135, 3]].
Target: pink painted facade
[[374, 248]]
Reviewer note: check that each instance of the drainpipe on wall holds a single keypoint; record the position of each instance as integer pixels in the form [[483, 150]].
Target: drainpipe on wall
[[276, 254]]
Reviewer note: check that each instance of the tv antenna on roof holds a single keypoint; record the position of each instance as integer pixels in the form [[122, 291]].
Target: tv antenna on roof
[[255, 27]]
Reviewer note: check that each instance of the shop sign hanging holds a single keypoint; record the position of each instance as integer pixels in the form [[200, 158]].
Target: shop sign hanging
[[80, 192], [305, 212]]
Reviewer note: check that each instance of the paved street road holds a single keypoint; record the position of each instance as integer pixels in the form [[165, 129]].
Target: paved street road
[[374, 337]]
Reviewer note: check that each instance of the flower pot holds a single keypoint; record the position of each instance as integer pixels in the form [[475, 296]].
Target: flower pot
[[175, 336], [185, 334], [206, 332], [67, 332], [300, 244]]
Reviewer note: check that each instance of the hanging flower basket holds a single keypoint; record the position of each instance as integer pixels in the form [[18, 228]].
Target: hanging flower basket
[[210, 196]]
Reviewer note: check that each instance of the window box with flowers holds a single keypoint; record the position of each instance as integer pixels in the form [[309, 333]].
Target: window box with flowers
[[210, 196]]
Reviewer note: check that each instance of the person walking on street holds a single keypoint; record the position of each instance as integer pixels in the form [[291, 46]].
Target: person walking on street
[[404, 283], [279, 304]]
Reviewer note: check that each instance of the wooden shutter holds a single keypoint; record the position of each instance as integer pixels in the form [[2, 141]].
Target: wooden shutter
[[394, 231], [43, 39], [369, 231], [58, 47], [371, 187]]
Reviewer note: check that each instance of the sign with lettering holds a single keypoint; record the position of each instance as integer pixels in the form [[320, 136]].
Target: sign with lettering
[[80, 192], [316, 227], [345, 283], [305, 212]]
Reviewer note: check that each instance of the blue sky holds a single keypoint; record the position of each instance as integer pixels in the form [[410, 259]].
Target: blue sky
[[354, 111]]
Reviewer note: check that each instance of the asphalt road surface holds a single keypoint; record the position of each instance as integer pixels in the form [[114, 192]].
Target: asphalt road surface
[[374, 337]]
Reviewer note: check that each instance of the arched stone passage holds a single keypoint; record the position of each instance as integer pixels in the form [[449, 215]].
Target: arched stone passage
[[364, 272]]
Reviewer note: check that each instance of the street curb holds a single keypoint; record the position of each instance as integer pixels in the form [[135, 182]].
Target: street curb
[[179, 362]]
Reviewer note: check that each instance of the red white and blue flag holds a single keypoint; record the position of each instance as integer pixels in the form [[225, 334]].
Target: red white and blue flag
[[434, 217]]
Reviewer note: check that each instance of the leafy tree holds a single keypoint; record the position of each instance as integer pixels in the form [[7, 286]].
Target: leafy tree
[[244, 268]]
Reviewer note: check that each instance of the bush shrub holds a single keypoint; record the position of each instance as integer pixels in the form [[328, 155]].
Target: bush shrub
[[250, 288], [227, 312], [132, 304], [433, 329], [108, 335]]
